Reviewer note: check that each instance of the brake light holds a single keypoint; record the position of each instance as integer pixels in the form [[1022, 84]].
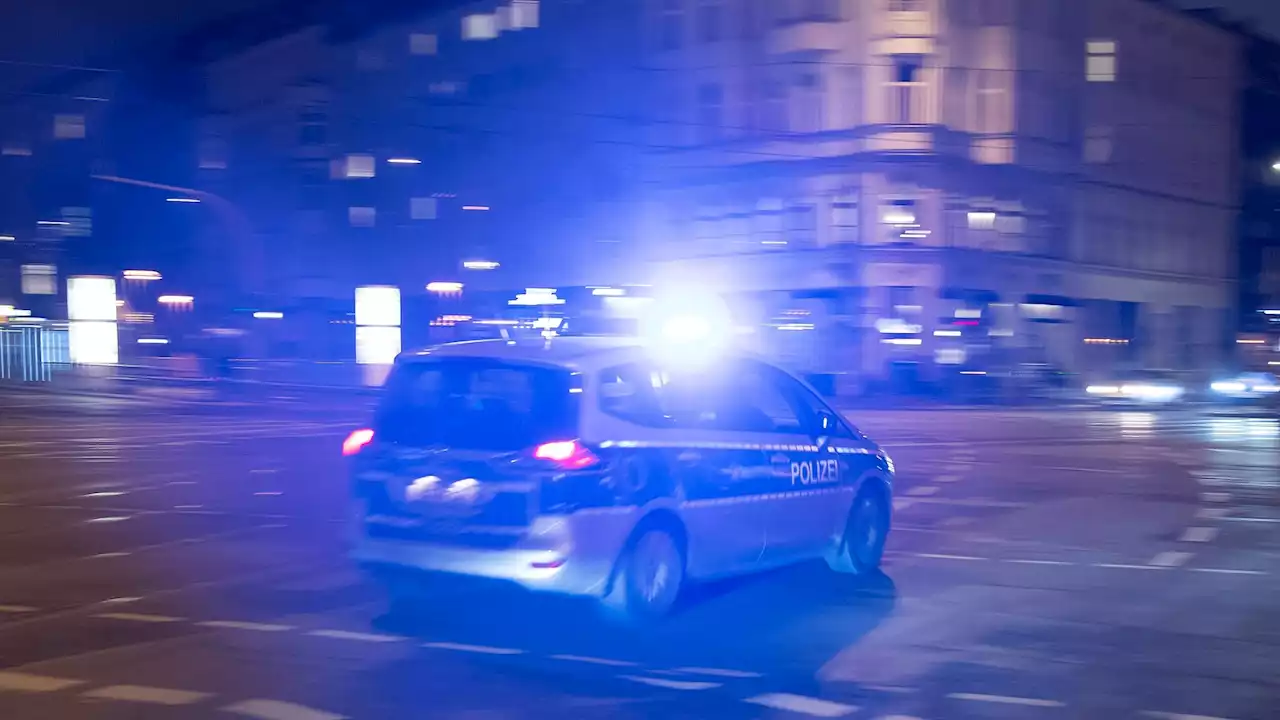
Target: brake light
[[568, 454], [356, 441]]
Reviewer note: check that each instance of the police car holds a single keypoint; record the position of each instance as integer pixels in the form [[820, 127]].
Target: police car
[[591, 466]]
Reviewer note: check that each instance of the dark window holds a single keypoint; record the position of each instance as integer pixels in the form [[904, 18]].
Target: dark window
[[739, 396], [477, 403], [710, 21]]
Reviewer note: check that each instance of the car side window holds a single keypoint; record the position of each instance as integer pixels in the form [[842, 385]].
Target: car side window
[[814, 408], [737, 397]]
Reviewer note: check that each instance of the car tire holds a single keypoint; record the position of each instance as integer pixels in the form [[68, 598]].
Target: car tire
[[862, 545], [650, 578]]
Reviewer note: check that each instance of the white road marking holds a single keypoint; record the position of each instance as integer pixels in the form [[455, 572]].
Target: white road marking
[[1215, 497], [1253, 520], [593, 660], [947, 478], [1199, 534], [939, 556], [718, 672], [17, 609], [278, 710], [1007, 700], [974, 502], [1040, 562], [1171, 558], [923, 491], [357, 636], [140, 617], [1227, 571], [104, 555], [239, 625], [481, 649], [1212, 513], [144, 694], [803, 705], [1126, 566], [671, 684], [1178, 716], [24, 682], [902, 504], [120, 600]]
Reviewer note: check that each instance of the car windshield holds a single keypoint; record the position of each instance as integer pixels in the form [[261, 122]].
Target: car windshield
[[476, 403]]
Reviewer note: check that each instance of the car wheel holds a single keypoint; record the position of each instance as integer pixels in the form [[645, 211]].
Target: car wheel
[[862, 547], [650, 577]]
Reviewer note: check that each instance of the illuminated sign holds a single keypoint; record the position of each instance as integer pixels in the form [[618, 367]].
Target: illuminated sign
[[91, 307], [377, 324]]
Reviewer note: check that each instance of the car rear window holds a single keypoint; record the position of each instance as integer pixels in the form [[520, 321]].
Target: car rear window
[[477, 404]]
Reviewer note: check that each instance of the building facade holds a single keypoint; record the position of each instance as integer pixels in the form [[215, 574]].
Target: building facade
[[933, 183]]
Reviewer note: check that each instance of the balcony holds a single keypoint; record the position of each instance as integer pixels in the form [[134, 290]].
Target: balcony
[[806, 38]]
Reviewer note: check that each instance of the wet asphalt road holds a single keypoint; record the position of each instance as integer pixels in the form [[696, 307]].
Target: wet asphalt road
[[186, 563]]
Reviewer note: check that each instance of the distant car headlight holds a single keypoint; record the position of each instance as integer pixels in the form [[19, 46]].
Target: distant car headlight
[[1228, 387], [1102, 390]]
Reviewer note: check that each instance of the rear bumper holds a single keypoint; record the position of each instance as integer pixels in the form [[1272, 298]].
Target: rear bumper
[[571, 554]]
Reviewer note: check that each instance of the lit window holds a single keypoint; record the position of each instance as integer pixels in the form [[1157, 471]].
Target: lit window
[[524, 14], [480, 27], [423, 44], [1100, 63], [360, 166], [982, 220], [423, 208], [68, 127], [362, 216]]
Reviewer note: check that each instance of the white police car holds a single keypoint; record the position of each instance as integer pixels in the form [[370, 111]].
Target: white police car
[[590, 466]]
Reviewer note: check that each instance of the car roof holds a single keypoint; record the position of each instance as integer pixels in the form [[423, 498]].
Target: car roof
[[573, 352]]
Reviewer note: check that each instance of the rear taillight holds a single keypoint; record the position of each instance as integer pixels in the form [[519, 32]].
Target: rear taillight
[[356, 441], [568, 454]]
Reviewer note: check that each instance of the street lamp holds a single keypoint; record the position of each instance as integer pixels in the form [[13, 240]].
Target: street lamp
[[143, 275], [175, 300], [480, 265], [444, 288], [404, 161], [182, 200]]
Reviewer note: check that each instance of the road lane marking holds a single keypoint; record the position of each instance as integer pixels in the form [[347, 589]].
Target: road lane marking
[[140, 617], [1199, 534], [902, 504], [1126, 566], [671, 684], [1059, 563], [241, 625], [923, 491], [973, 502], [356, 636], [1212, 513], [1170, 559], [593, 660], [105, 555], [1227, 571], [718, 672], [17, 609], [1007, 700], [279, 710], [1252, 520], [947, 478], [1215, 497], [25, 682], [481, 649], [144, 694], [803, 705], [1178, 716], [939, 556]]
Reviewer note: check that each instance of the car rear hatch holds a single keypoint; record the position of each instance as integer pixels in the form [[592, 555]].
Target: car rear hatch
[[452, 459]]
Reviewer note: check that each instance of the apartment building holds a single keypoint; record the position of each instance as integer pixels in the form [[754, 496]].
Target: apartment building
[[947, 182], [419, 146]]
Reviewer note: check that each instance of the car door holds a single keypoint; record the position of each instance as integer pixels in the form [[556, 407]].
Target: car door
[[715, 473], [791, 471], [848, 457]]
